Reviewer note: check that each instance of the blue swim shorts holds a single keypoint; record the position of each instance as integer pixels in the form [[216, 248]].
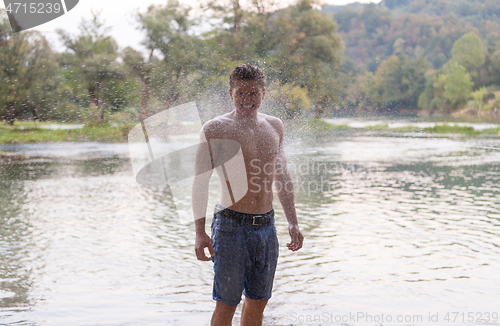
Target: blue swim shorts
[[246, 253]]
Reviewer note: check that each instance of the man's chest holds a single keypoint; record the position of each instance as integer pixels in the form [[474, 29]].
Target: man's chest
[[258, 143]]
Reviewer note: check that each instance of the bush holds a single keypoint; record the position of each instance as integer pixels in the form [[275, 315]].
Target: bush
[[286, 101], [447, 129]]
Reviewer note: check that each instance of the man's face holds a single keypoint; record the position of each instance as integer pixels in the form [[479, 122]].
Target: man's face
[[247, 94]]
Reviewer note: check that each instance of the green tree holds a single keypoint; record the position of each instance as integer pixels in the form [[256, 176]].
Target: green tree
[[307, 52], [26, 66], [92, 59], [361, 94], [372, 18], [457, 84], [479, 99], [468, 52], [447, 89], [142, 70], [297, 46], [492, 66], [230, 13], [287, 101], [344, 18], [244, 33], [47, 96], [399, 82], [429, 101], [169, 29]]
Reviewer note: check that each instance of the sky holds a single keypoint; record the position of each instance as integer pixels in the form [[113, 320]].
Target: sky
[[118, 14]]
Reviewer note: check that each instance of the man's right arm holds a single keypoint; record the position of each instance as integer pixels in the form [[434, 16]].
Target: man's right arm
[[199, 196], [202, 241]]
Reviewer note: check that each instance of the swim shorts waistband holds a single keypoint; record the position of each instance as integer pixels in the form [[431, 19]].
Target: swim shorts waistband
[[254, 219]]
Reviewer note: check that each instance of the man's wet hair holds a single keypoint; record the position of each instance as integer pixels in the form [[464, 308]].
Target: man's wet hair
[[247, 72]]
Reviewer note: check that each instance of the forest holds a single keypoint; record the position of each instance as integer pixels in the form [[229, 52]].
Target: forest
[[406, 57], [426, 57]]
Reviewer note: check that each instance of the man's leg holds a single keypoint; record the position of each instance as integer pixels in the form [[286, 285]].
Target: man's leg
[[223, 314], [252, 312]]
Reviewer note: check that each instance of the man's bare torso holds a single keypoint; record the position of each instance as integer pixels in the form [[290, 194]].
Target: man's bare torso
[[260, 142]]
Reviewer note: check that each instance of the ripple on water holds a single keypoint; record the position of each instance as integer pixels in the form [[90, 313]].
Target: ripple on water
[[398, 226]]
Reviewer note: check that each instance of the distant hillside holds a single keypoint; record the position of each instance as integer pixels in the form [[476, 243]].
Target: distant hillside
[[476, 12], [335, 8], [426, 28]]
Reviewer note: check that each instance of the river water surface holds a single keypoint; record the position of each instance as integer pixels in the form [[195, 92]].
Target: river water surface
[[397, 231]]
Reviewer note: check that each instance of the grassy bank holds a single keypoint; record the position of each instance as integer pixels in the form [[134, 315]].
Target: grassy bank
[[319, 126], [109, 133], [438, 129], [312, 126], [117, 132]]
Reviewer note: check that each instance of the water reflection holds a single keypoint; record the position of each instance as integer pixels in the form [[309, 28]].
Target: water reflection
[[392, 225], [15, 277], [406, 229]]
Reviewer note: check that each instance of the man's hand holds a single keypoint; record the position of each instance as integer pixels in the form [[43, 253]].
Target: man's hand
[[296, 237], [203, 241]]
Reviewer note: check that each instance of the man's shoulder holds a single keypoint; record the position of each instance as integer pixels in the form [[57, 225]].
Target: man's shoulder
[[273, 121], [216, 125]]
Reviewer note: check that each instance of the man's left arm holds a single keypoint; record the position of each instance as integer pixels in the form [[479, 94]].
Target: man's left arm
[[284, 187]]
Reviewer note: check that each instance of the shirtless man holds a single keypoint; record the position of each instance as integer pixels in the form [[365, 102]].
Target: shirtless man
[[245, 246]]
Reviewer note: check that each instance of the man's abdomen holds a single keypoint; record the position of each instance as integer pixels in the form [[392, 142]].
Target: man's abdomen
[[258, 198]]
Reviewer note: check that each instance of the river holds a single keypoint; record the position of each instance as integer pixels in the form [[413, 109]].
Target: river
[[398, 230]]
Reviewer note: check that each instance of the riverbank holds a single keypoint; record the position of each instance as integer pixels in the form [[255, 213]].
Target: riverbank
[[8, 156], [27, 132], [416, 125], [57, 132], [393, 128]]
